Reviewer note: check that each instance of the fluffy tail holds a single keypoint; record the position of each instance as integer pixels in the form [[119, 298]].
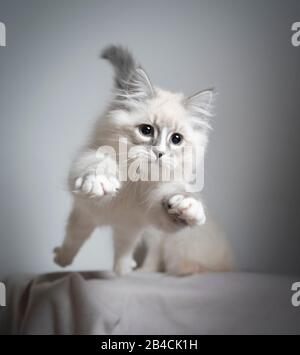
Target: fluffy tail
[[123, 63]]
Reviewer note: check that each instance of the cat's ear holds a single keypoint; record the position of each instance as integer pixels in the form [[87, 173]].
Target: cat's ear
[[201, 104], [139, 86]]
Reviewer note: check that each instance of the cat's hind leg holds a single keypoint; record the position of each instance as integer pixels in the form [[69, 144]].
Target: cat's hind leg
[[153, 259], [125, 240], [79, 227]]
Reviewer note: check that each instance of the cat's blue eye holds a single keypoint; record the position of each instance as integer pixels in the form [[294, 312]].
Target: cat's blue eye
[[146, 130], [176, 138]]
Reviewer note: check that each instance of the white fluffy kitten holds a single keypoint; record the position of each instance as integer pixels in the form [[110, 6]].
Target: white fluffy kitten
[[157, 125]]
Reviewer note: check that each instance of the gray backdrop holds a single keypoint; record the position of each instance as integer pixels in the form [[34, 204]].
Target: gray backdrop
[[52, 87]]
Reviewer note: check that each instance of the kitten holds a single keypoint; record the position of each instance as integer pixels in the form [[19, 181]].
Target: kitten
[[155, 126]]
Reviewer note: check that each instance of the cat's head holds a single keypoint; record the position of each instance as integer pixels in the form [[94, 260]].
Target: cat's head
[[160, 127]]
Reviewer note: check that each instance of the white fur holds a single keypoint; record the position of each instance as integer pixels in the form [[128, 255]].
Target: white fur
[[181, 241], [192, 250]]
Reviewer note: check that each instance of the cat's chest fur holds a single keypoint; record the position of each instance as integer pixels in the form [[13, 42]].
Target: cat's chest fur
[[133, 203]]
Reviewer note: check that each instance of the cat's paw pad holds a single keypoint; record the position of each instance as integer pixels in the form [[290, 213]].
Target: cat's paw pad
[[61, 258], [124, 266], [97, 185], [186, 209]]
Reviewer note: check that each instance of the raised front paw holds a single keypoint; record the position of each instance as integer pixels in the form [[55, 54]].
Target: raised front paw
[[186, 209], [97, 185]]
